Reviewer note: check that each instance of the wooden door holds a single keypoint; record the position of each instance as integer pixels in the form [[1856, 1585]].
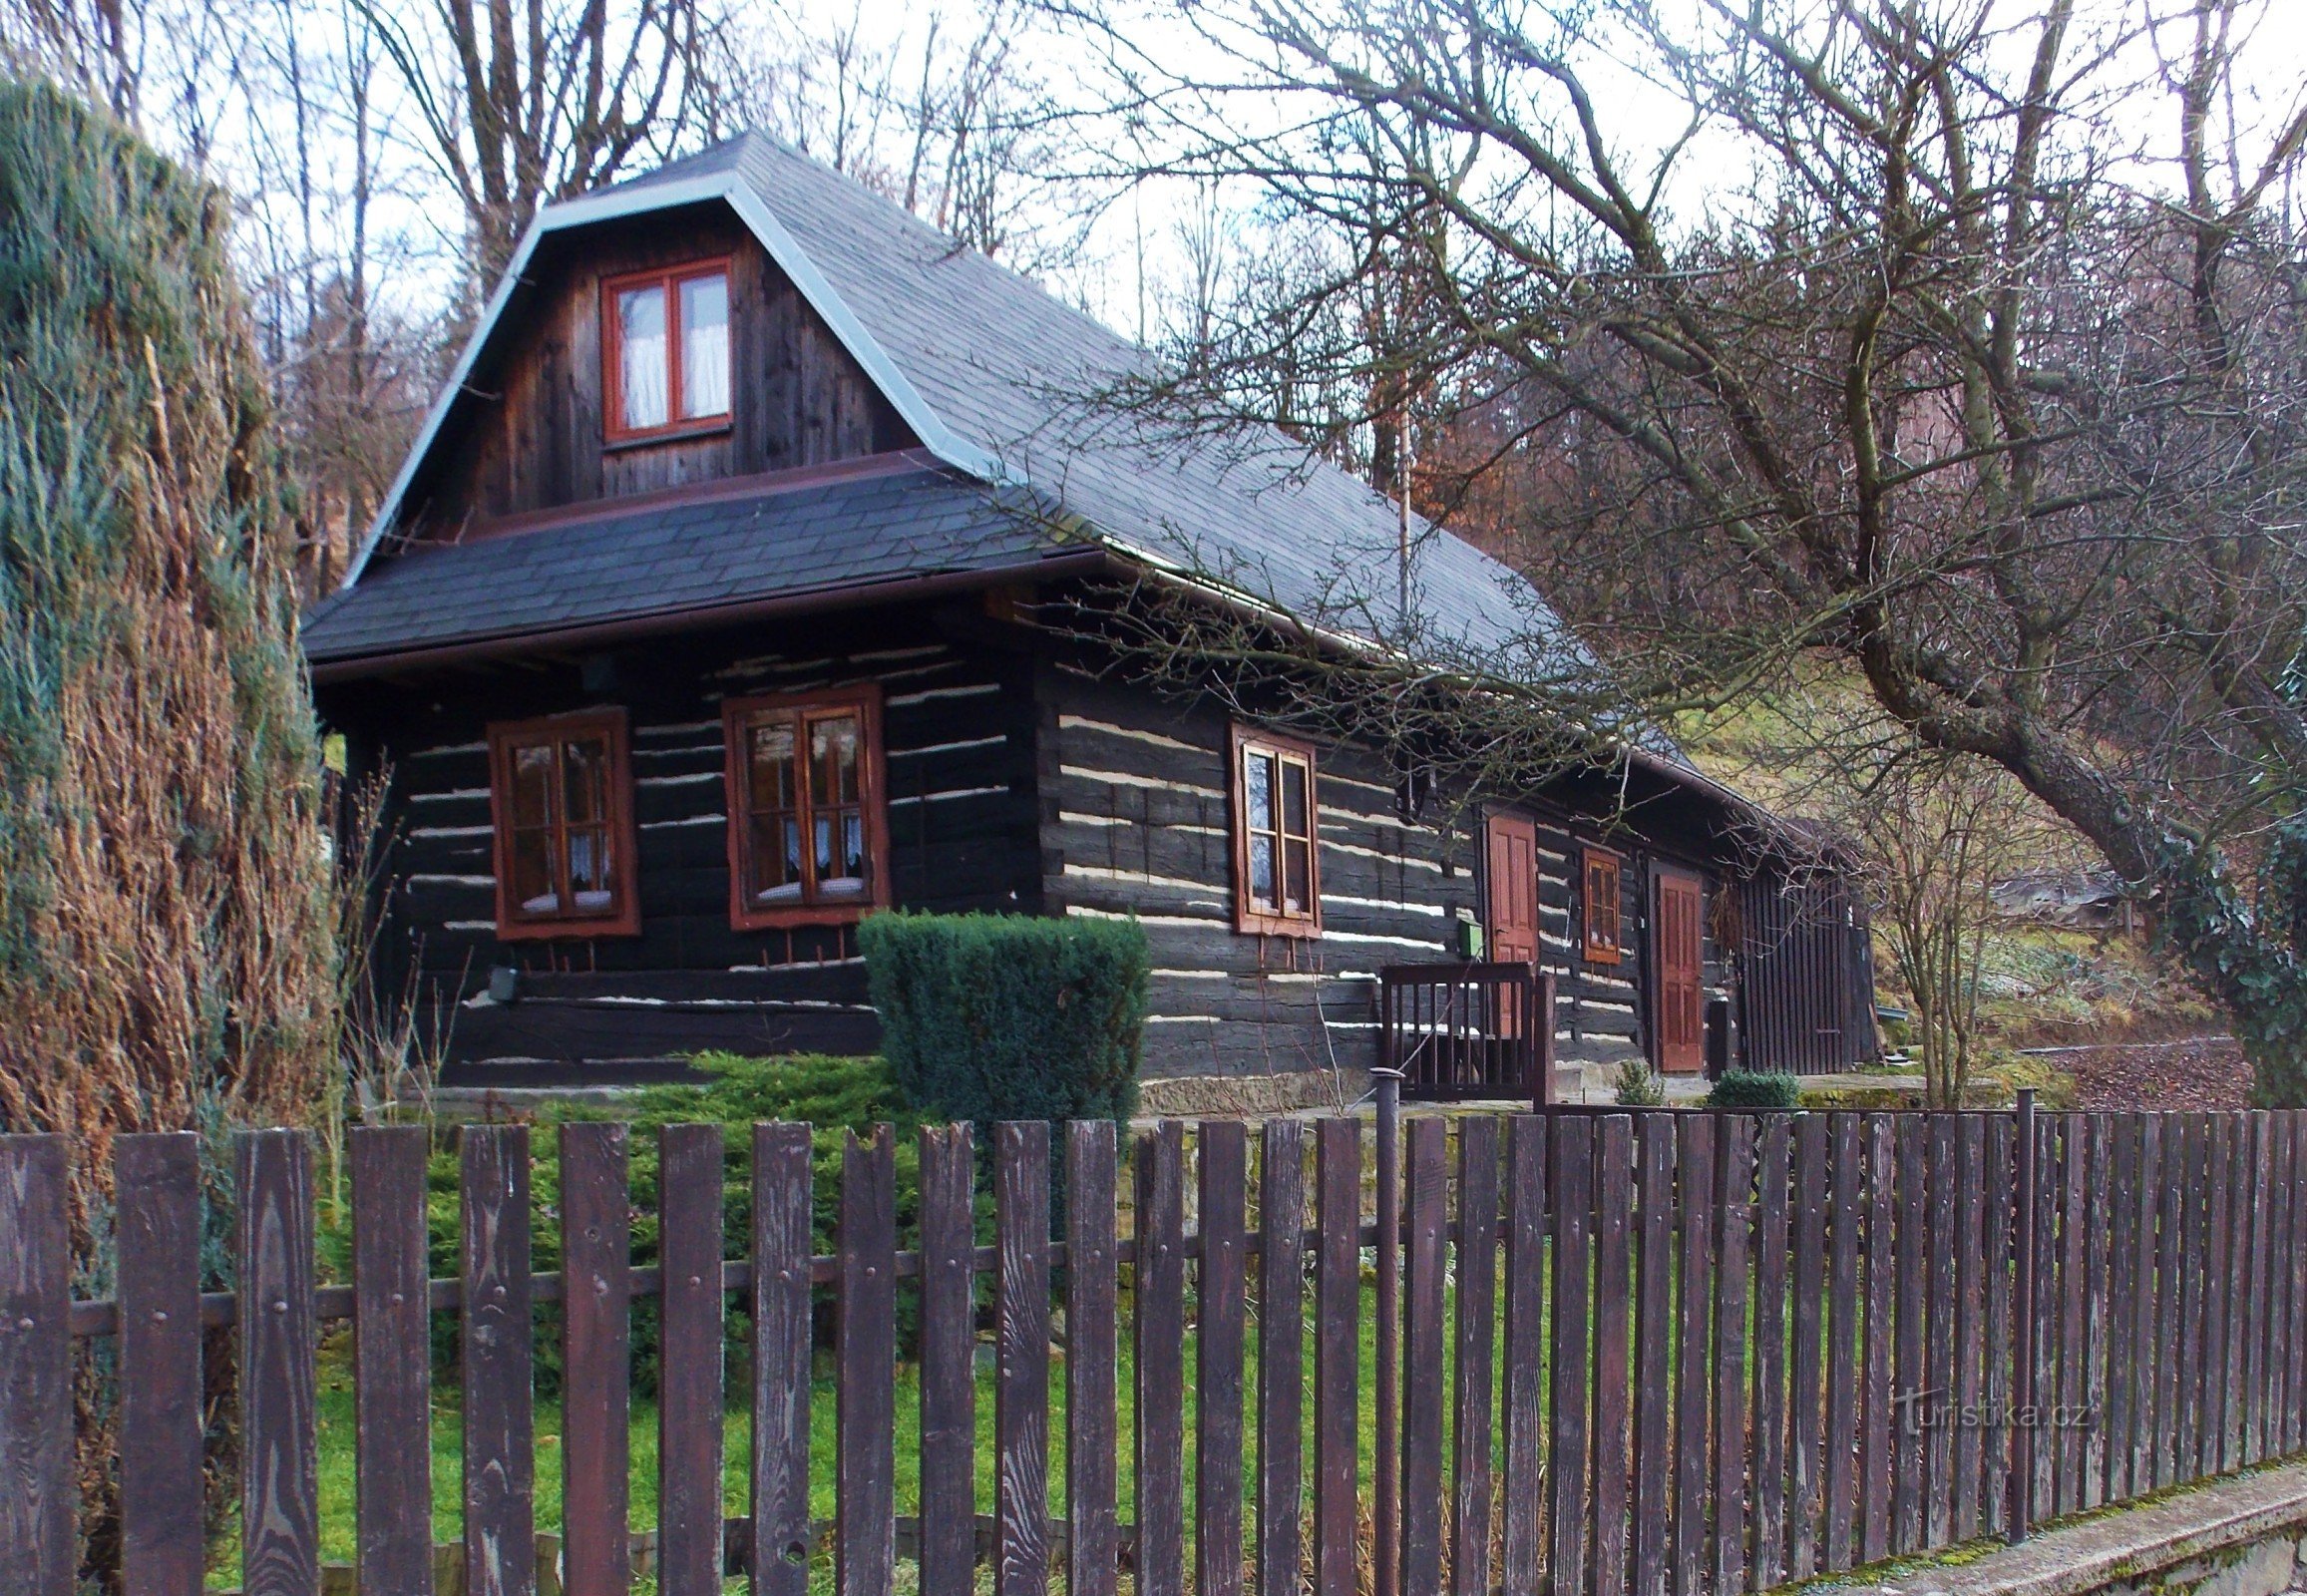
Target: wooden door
[[1676, 962], [1514, 890]]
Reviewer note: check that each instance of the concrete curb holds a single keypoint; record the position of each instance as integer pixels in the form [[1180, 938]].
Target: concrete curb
[[2134, 1546]]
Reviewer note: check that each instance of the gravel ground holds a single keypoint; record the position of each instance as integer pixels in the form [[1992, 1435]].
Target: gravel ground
[[2198, 1073]]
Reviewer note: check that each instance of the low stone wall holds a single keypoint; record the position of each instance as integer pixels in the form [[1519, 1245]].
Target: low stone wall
[[2245, 1536]]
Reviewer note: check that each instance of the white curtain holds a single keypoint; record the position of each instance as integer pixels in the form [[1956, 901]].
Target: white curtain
[[706, 346], [640, 360]]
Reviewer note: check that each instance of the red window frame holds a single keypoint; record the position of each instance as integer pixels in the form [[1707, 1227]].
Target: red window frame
[[1275, 919], [739, 717], [670, 279], [1604, 907], [622, 916]]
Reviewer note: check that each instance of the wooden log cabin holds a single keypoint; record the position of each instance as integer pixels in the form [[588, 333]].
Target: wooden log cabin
[[710, 612]]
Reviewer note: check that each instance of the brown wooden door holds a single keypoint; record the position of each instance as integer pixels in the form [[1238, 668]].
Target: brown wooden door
[[1514, 890], [1677, 958]]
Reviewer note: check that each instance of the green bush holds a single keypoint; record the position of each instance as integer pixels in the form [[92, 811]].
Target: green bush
[[1750, 1089], [1637, 1086], [986, 1017]]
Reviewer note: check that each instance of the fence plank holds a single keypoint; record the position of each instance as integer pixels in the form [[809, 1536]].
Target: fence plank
[[2218, 1291], [689, 1405], [37, 1501], [2179, 1165], [1995, 1460], [1021, 1358], [2283, 1325], [1913, 1265], [948, 1347], [2262, 1188], [156, 1231], [1523, 1395], [1653, 1377], [2147, 1353], [2234, 1365], [865, 1496], [1160, 1332], [1217, 1346], [1613, 1303], [2044, 1337], [2091, 1442], [500, 1429], [1734, 1217], [1424, 1326], [1695, 1198], [1337, 1352], [1092, 1445], [1969, 1309], [1805, 1412], [392, 1362], [279, 1396], [782, 1210], [1938, 1513], [1281, 1353], [2295, 1336], [1477, 1279], [1572, 1213], [2122, 1304], [1879, 1420], [1773, 1169], [1846, 1199]]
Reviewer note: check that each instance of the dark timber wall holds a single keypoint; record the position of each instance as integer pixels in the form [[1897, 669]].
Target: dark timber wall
[[958, 731]]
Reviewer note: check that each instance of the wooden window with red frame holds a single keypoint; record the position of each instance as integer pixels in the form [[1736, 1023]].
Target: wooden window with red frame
[[666, 351], [1602, 907], [1277, 845], [808, 834], [561, 794]]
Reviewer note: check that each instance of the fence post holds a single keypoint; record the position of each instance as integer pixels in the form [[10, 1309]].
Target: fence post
[[2022, 1325], [1385, 1514]]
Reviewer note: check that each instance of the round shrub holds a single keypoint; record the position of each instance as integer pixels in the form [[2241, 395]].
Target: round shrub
[[1751, 1089]]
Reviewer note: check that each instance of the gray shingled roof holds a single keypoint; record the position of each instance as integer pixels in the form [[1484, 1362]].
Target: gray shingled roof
[[678, 558], [1004, 383]]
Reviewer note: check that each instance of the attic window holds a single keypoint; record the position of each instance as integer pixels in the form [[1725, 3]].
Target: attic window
[[561, 794], [664, 350], [1276, 887], [807, 839]]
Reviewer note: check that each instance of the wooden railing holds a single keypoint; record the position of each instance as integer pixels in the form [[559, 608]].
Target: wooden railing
[[1664, 1350], [1468, 1031]]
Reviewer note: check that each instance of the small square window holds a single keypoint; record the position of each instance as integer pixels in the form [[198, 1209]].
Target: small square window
[[1602, 907], [560, 794], [1277, 840], [666, 351]]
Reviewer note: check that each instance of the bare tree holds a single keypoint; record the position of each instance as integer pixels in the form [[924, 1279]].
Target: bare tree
[[524, 101], [1948, 385]]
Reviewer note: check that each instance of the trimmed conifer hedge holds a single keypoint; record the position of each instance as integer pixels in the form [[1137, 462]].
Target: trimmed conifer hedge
[[986, 1017]]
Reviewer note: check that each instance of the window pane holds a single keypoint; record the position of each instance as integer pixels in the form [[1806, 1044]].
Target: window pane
[[533, 785], [776, 874], [1261, 869], [532, 871], [1293, 815], [706, 346], [1257, 789], [841, 874], [1297, 877], [833, 754], [640, 360], [772, 766], [589, 867], [584, 777]]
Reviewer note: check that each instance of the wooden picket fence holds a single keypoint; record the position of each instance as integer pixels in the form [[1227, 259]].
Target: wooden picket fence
[[1659, 1353]]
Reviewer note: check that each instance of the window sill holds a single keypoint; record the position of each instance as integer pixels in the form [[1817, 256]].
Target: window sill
[[628, 924], [684, 432], [1305, 927], [790, 917]]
